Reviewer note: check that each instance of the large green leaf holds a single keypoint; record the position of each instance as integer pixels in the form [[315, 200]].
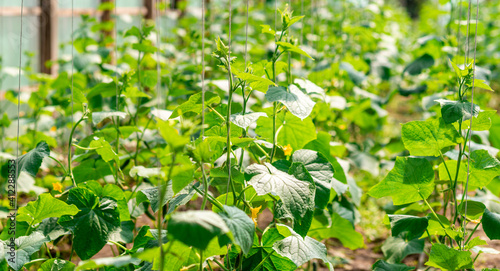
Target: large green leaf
[[491, 224], [408, 227], [395, 249], [446, 258], [410, 180], [110, 191], [194, 104], [44, 207], [291, 130], [25, 246], [241, 226], [31, 161], [295, 194], [452, 111], [301, 249], [57, 265], [418, 65], [428, 138], [298, 103], [152, 195], [94, 224], [382, 265], [196, 228], [301, 223], [265, 252], [483, 168], [480, 123], [321, 172], [475, 209], [340, 228]]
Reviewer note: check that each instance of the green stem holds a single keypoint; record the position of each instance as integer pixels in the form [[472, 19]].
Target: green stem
[[201, 260], [162, 190], [228, 126], [70, 172], [205, 187], [60, 164], [263, 261]]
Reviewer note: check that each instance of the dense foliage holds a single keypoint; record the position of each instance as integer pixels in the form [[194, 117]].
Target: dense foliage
[[288, 142]]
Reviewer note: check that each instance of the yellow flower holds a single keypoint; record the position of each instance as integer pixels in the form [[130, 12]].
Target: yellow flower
[[255, 212], [57, 186], [287, 150], [53, 129]]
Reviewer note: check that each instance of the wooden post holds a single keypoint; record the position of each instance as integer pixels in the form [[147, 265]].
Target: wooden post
[[106, 17], [48, 34], [149, 4]]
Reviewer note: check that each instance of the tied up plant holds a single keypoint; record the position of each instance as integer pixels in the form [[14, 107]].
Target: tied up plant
[[441, 145]]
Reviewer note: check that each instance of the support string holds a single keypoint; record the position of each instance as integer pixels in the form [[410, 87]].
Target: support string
[[228, 121], [203, 69], [18, 110], [72, 64], [472, 108]]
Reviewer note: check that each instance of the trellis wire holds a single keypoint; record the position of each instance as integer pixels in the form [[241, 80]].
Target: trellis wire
[[117, 107], [203, 69], [472, 110], [228, 122], [72, 66], [18, 110]]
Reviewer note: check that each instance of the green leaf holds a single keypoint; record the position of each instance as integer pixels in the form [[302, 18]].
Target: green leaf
[[57, 265], [410, 180], [395, 249], [483, 168], [292, 48], [266, 29], [25, 246], [152, 195], [91, 169], [259, 83], [480, 123], [446, 258], [453, 111], [31, 161], [291, 130], [134, 92], [321, 172], [104, 149], [428, 138], [419, 64], [94, 224], [241, 226], [479, 83], [44, 207], [144, 48], [475, 209], [196, 228], [97, 117], [301, 250], [491, 224], [246, 120], [340, 228], [172, 136], [295, 194], [194, 104], [408, 227], [298, 103], [382, 265]]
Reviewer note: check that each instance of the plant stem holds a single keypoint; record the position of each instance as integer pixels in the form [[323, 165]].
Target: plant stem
[[201, 260], [263, 261], [205, 186], [161, 190], [70, 172], [228, 126]]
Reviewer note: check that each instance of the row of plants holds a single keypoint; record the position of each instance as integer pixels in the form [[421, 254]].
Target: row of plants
[[170, 177]]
